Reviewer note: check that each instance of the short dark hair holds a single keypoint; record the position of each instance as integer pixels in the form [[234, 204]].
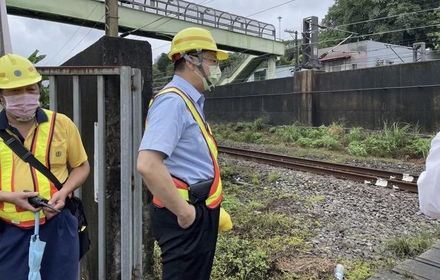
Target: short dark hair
[[179, 65]]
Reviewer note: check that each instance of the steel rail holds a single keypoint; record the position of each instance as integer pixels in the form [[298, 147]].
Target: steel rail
[[356, 173]]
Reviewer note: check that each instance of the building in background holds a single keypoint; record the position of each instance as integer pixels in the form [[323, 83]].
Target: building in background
[[357, 55], [282, 71], [364, 54]]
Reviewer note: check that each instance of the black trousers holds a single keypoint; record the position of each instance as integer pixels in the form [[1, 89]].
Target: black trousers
[[187, 254]]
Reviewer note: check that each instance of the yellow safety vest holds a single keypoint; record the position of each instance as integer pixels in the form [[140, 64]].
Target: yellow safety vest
[[40, 148], [215, 194]]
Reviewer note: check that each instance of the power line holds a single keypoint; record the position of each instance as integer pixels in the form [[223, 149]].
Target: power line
[[125, 34], [276, 6], [383, 32], [73, 35], [82, 39], [387, 17]]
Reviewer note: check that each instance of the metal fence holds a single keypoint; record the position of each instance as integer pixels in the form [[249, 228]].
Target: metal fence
[[130, 135], [199, 14]]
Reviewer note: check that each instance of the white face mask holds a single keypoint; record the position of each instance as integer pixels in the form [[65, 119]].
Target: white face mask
[[214, 74], [213, 77]]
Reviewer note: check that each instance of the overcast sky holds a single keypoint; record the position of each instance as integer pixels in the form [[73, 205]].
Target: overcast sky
[[61, 41]]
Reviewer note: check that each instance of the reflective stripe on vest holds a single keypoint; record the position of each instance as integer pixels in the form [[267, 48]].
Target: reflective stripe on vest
[[215, 193], [40, 148]]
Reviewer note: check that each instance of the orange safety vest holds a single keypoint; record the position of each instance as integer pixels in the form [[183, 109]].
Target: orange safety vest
[[40, 149], [215, 194]]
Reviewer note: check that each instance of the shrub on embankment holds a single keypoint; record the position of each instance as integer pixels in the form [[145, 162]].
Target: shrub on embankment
[[395, 140]]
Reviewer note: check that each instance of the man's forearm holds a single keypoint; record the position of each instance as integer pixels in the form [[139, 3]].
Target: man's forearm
[[161, 186], [158, 180]]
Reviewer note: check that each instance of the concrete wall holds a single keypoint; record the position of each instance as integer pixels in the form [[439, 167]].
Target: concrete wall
[[249, 101], [407, 93], [365, 97]]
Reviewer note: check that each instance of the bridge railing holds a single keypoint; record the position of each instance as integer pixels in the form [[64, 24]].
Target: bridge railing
[[199, 14]]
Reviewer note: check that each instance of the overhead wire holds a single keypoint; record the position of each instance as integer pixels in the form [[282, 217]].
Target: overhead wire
[[73, 35], [383, 32], [336, 28], [387, 17], [82, 39], [270, 8]]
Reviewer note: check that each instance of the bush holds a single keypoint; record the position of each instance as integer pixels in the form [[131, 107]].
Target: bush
[[378, 146], [289, 133], [336, 131], [418, 147], [397, 133], [251, 137], [327, 141], [305, 142], [355, 134], [357, 148], [315, 133], [260, 124], [239, 259]]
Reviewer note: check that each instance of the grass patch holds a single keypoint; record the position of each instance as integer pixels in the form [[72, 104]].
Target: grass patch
[[395, 140], [358, 270], [411, 246], [314, 199]]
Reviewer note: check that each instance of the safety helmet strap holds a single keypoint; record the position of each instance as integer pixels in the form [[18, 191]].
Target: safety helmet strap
[[199, 55]]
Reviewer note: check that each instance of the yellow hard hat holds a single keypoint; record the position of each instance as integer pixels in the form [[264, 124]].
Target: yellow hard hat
[[225, 222], [194, 38], [17, 71]]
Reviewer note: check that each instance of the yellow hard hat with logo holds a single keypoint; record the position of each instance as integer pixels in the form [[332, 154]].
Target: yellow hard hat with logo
[[17, 71], [194, 38]]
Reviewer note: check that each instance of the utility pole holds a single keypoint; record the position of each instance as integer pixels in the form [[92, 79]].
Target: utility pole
[[296, 50], [416, 47], [296, 46], [279, 28], [111, 18], [310, 43], [5, 39]]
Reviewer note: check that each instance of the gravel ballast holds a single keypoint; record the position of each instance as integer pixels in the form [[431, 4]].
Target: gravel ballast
[[355, 220]]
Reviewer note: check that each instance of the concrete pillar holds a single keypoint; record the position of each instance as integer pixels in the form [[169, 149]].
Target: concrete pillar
[[305, 84], [108, 51], [111, 18], [271, 66]]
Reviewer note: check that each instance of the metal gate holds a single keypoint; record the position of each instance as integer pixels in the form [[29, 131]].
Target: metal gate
[[130, 135]]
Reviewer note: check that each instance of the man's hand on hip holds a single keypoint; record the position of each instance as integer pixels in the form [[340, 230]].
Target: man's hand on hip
[[188, 217]]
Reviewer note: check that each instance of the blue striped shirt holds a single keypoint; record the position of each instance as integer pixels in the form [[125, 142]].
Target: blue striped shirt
[[172, 131]]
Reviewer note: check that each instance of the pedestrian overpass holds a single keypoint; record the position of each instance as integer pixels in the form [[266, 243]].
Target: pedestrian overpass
[[160, 19]]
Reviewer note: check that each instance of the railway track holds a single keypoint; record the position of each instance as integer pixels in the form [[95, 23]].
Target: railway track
[[372, 176]]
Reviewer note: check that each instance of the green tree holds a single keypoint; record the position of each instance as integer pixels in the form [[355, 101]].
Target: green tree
[[162, 71], [162, 63], [44, 90], [395, 17]]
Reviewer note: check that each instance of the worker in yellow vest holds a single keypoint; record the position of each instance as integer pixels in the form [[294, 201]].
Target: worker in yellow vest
[[178, 160], [55, 141]]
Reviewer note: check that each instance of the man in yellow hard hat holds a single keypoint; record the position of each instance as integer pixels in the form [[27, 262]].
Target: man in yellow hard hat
[[55, 141], [178, 160]]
